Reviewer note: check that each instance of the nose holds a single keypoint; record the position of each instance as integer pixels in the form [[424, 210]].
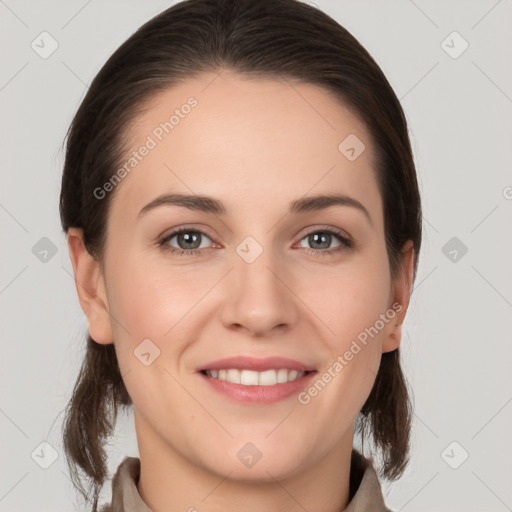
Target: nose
[[259, 296]]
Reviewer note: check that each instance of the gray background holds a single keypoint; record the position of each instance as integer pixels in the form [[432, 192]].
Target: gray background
[[457, 349]]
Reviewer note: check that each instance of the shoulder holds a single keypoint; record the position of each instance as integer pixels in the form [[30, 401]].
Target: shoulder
[[365, 489], [124, 484]]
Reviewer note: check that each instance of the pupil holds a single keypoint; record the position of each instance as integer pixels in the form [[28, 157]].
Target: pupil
[[188, 239], [326, 239]]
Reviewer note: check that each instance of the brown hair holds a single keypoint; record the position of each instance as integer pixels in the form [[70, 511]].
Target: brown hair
[[268, 38]]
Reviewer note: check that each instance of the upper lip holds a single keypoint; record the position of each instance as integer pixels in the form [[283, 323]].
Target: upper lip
[[255, 364]]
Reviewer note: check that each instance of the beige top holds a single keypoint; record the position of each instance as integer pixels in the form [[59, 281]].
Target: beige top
[[365, 490]]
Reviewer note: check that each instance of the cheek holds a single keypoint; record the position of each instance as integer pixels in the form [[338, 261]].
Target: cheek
[[350, 303], [148, 298], [349, 299]]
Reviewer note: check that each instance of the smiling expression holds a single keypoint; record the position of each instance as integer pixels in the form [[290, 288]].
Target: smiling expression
[[245, 232]]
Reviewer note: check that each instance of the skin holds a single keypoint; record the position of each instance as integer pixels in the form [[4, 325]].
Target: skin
[[256, 145]]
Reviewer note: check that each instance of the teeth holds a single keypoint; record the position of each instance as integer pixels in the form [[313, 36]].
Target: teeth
[[266, 378], [246, 377], [252, 378], [233, 376], [282, 376]]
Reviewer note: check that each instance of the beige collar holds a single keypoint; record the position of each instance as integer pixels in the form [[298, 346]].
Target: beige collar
[[366, 497]]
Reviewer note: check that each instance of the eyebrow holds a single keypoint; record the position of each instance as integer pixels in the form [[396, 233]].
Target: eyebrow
[[209, 204]]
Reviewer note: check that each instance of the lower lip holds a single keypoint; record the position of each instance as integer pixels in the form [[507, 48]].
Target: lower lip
[[259, 394]]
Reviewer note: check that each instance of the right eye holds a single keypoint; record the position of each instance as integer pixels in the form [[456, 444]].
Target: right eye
[[188, 240]]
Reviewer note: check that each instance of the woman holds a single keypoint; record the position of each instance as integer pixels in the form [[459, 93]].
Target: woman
[[244, 223]]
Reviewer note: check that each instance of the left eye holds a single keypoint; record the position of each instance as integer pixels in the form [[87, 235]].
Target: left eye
[[323, 239]]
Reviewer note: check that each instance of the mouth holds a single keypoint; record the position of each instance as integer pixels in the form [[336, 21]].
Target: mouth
[[253, 378], [248, 380]]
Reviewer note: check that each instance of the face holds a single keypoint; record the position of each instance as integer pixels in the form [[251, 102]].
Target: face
[[262, 270]]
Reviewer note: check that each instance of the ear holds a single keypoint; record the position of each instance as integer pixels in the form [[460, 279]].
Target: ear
[[400, 295], [90, 286]]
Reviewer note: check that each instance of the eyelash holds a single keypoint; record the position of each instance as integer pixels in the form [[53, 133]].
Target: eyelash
[[344, 245]]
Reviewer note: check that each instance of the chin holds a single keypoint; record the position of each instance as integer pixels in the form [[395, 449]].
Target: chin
[[256, 461], [273, 468]]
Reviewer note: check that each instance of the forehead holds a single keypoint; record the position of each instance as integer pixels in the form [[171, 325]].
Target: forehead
[[250, 142]]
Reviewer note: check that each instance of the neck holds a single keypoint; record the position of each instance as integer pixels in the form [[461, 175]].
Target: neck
[[170, 481]]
